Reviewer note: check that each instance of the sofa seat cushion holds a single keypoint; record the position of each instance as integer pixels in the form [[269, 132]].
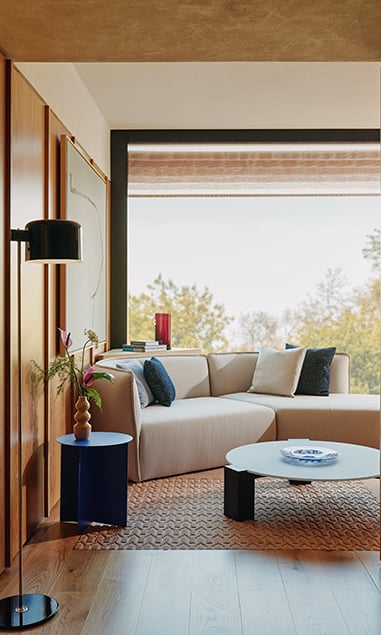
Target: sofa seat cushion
[[346, 418], [195, 434]]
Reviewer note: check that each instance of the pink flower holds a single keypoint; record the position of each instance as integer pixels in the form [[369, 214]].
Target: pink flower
[[67, 367], [88, 376], [66, 339]]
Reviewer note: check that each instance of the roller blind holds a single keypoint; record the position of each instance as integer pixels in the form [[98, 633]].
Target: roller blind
[[253, 169]]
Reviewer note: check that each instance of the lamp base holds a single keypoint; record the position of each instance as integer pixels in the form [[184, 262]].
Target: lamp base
[[31, 610]]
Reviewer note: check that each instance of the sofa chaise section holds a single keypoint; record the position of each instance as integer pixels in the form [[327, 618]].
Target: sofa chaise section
[[341, 417]]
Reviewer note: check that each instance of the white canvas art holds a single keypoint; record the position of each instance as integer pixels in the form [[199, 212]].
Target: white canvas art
[[85, 201]]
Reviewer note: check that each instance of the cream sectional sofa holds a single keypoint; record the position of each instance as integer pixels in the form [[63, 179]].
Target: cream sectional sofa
[[213, 413]]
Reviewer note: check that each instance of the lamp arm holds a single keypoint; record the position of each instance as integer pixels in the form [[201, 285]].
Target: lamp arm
[[20, 235]]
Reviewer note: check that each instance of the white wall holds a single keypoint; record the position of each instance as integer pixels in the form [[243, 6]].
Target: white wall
[[214, 95], [63, 90], [91, 98]]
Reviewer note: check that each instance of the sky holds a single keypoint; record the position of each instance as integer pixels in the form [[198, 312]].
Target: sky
[[253, 253]]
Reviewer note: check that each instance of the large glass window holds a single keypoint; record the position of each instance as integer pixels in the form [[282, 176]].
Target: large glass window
[[250, 247]]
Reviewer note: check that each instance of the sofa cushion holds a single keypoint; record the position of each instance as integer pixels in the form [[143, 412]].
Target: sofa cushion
[[278, 372], [195, 434], [340, 417], [145, 394], [315, 375], [159, 381]]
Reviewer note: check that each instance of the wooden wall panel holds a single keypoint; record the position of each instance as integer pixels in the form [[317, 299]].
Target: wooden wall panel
[[2, 313], [27, 203], [29, 190], [57, 407], [59, 410]]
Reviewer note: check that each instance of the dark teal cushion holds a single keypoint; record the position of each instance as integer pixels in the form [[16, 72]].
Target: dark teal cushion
[[315, 375], [159, 381]]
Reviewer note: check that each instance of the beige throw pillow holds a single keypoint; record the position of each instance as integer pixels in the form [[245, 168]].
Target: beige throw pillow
[[277, 372]]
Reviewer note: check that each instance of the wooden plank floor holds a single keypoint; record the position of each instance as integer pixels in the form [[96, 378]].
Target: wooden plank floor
[[199, 592]]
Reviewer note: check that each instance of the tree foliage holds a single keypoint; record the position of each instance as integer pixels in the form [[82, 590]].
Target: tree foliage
[[257, 329], [352, 324], [356, 331], [197, 321], [334, 315], [332, 295], [372, 250]]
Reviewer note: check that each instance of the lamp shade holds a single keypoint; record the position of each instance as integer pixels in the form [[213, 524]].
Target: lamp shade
[[54, 241]]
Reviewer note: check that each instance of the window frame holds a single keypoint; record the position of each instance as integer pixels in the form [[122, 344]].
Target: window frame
[[120, 139]]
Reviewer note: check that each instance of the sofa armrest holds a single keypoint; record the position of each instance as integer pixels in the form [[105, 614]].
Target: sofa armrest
[[120, 413]]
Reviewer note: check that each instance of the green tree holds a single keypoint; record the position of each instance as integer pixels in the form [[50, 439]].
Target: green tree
[[257, 329], [372, 250], [197, 321], [356, 331], [332, 295], [351, 321]]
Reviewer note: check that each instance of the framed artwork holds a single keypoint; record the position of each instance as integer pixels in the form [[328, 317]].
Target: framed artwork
[[83, 288]]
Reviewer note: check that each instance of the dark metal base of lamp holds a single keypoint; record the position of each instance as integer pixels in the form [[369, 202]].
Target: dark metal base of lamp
[[33, 609]]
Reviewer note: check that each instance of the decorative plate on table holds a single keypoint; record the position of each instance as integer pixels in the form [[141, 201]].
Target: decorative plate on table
[[308, 454]]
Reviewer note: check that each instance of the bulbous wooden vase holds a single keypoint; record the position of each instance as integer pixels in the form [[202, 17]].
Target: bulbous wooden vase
[[82, 427]]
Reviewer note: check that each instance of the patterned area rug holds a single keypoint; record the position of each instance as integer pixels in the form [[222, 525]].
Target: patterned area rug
[[187, 513]]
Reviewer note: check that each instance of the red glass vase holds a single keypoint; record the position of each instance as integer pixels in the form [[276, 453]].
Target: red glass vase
[[163, 328]]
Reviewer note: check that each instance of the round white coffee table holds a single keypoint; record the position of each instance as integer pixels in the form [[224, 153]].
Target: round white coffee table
[[249, 462]]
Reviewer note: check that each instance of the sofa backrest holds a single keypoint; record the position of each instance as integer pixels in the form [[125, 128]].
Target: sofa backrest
[[189, 373], [222, 373], [233, 372], [340, 373]]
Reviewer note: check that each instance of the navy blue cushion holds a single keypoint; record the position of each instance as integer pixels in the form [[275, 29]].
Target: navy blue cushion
[[315, 375], [159, 381]]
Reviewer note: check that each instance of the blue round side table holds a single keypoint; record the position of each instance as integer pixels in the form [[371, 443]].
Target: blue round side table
[[94, 479]]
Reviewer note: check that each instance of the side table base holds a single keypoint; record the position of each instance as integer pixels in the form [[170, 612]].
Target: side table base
[[94, 479]]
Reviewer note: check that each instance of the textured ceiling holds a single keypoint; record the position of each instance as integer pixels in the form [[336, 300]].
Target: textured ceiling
[[190, 30]]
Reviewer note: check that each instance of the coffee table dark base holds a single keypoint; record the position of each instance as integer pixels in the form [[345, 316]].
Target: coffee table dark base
[[246, 463], [239, 492]]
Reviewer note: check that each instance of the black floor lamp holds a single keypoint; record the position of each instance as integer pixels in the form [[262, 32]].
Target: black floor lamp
[[54, 242]]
